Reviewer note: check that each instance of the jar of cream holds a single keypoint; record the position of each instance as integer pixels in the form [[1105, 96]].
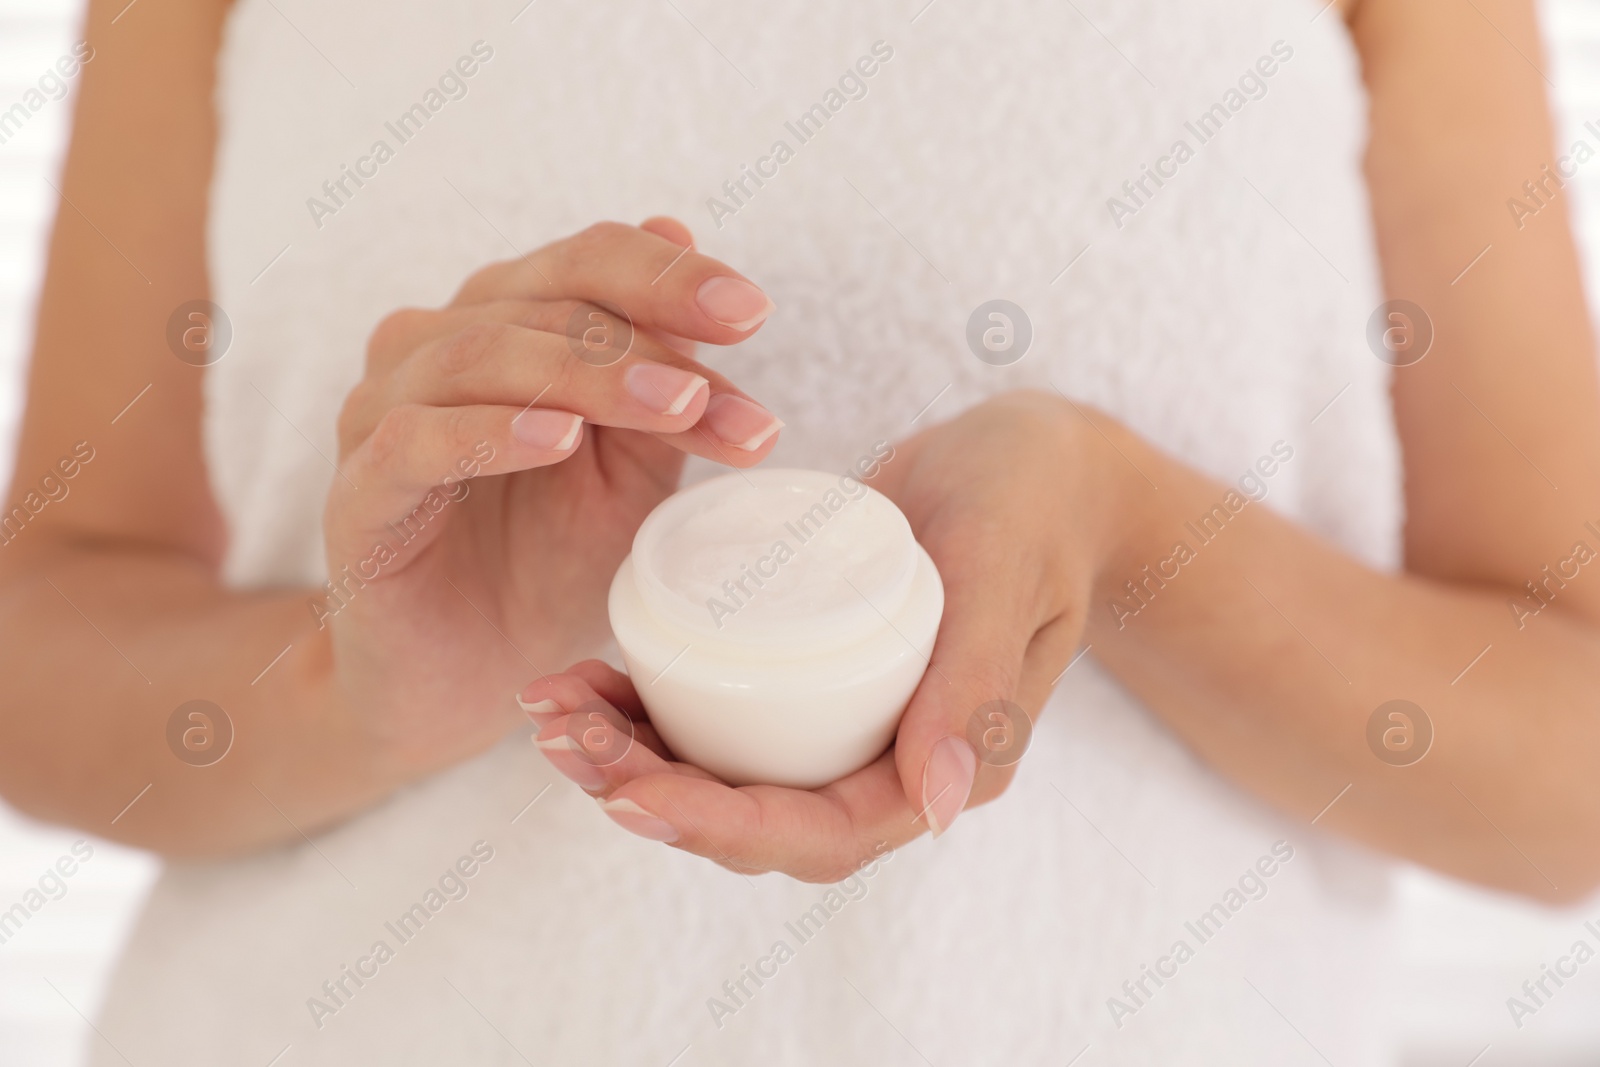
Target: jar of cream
[[775, 623]]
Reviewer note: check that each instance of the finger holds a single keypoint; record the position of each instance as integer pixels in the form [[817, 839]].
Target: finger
[[734, 431], [809, 834], [650, 388], [819, 836], [511, 352], [816, 836], [653, 282], [611, 685], [598, 746], [588, 738], [599, 749], [558, 694], [401, 332], [676, 232], [668, 228], [969, 688], [418, 460]]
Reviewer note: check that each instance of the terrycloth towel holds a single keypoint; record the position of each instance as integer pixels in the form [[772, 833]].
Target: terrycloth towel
[[996, 151]]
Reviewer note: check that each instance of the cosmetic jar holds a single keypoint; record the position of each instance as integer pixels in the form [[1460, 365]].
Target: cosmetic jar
[[775, 623]]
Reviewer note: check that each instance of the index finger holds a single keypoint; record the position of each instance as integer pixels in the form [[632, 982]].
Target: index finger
[[651, 281]]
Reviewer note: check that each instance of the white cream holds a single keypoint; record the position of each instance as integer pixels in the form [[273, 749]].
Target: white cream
[[775, 623]]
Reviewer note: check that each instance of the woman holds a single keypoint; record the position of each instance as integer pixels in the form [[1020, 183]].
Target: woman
[[1195, 472]]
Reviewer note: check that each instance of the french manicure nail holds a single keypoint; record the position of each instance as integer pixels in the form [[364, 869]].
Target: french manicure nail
[[663, 389], [634, 819], [733, 302], [554, 431], [742, 423], [947, 782], [566, 757], [539, 708]]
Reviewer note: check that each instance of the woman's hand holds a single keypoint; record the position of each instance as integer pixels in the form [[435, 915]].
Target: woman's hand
[[1013, 500], [495, 461]]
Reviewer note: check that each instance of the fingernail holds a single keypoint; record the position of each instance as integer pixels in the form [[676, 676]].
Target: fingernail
[[742, 423], [554, 431], [566, 757], [733, 302], [634, 819], [663, 389], [539, 708], [947, 782]]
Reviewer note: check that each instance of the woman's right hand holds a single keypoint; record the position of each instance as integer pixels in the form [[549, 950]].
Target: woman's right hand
[[495, 461]]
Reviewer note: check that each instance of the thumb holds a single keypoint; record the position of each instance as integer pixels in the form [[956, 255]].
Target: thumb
[[962, 718]]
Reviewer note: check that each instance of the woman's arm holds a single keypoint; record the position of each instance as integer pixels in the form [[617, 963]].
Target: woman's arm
[[110, 601], [1500, 429], [108, 597]]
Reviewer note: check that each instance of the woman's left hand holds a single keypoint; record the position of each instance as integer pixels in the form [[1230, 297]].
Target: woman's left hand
[[1011, 500]]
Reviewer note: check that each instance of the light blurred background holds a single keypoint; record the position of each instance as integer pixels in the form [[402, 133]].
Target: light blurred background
[[1463, 952]]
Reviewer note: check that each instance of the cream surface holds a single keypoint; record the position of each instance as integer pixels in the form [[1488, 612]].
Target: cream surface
[[762, 549]]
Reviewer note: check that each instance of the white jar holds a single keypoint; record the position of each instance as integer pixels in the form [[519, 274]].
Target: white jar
[[775, 623]]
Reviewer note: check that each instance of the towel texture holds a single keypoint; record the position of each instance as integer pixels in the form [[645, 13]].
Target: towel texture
[[1000, 150]]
